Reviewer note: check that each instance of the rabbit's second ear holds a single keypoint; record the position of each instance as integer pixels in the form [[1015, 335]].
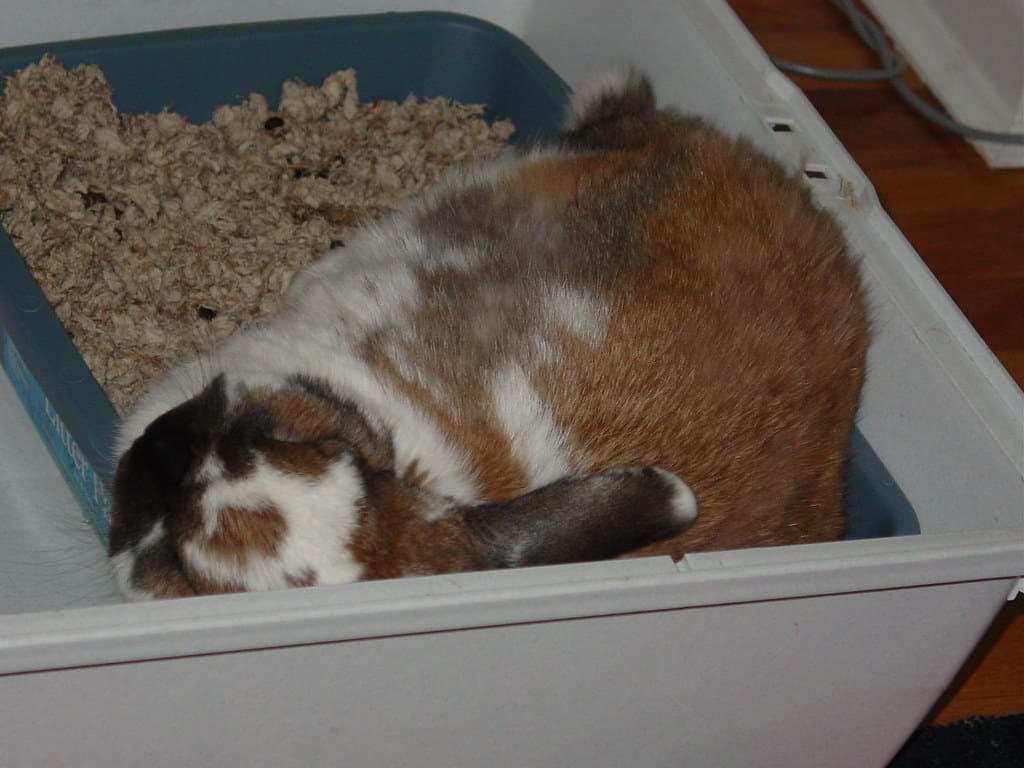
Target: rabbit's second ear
[[170, 445], [322, 414], [583, 518]]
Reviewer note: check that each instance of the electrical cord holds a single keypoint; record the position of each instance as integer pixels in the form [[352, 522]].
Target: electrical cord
[[893, 67]]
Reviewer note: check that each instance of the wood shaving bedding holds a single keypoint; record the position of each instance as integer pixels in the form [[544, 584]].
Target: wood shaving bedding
[[152, 237]]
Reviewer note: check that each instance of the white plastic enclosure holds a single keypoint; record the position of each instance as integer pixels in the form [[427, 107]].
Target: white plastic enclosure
[[803, 656]]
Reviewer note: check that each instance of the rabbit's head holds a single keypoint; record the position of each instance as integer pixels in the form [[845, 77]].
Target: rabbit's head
[[256, 486]]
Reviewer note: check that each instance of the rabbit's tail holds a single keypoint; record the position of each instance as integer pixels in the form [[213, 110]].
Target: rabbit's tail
[[614, 103]]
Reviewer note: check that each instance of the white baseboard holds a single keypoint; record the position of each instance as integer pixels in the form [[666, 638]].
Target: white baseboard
[[936, 38]]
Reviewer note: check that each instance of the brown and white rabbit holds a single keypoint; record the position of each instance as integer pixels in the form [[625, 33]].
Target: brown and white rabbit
[[521, 367]]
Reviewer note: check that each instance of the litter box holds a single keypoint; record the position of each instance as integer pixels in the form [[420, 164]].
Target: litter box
[[172, 69], [772, 657]]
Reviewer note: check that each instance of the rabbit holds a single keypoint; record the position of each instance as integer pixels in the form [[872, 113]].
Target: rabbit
[[553, 356]]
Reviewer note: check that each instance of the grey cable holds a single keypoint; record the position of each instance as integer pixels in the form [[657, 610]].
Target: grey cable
[[845, 75], [892, 70]]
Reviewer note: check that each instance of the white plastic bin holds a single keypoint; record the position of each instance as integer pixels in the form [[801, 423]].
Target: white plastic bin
[[821, 655]]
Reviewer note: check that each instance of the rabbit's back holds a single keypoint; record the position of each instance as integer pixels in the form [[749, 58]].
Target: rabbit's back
[[670, 298]]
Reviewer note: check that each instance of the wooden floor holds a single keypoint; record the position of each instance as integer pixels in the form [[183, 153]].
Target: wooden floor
[[964, 219]]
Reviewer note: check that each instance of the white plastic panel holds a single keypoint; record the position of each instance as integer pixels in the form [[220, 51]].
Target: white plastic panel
[[49, 557], [226, 623], [793, 684]]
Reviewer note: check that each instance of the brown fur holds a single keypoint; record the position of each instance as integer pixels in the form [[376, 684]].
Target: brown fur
[[307, 428], [158, 572], [393, 538], [297, 416], [498, 473], [243, 533]]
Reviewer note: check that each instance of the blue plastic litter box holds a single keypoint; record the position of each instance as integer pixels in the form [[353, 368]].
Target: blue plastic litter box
[[192, 72]]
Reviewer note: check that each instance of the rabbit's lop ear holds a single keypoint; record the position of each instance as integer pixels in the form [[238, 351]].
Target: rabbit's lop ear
[[171, 444], [322, 414], [583, 518]]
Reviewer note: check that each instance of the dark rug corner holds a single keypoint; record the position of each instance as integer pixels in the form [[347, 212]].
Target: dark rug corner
[[978, 742]]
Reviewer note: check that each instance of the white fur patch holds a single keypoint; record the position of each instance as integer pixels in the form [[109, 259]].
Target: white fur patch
[[321, 517], [452, 258], [211, 470], [684, 502], [536, 440], [543, 349], [413, 373], [123, 562], [361, 300], [417, 438], [578, 312]]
